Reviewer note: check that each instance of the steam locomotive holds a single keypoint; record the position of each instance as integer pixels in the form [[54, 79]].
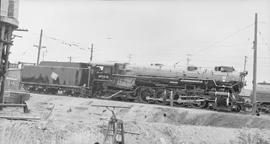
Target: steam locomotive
[[191, 87]]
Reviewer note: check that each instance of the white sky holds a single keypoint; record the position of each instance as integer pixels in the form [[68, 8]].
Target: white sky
[[215, 32]]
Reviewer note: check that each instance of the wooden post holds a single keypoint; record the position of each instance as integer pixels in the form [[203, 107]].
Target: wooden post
[[2, 46], [245, 63], [20, 118], [43, 55], [2, 37], [89, 77], [70, 58], [171, 98], [90, 68], [91, 56], [164, 96], [111, 106], [254, 98], [39, 46]]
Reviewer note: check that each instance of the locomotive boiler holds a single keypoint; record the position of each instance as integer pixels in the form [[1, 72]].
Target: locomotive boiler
[[192, 87]]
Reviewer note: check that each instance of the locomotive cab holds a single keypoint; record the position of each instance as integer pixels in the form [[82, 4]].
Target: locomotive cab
[[102, 76], [102, 71]]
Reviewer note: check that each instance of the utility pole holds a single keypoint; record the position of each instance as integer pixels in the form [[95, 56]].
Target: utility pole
[[89, 70], [188, 59], [245, 63], [174, 66], [43, 55], [39, 46], [91, 56], [70, 58], [129, 58], [254, 98]]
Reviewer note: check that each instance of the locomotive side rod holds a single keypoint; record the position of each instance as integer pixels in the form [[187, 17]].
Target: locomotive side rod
[[112, 95]]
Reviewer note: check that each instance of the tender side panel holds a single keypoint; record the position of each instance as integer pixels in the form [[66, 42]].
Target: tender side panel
[[55, 75]]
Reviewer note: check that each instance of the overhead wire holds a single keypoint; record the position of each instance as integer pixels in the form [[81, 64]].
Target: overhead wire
[[31, 33], [69, 44], [225, 38], [229, 36], [56, 39], [61, 41], [264, 42]]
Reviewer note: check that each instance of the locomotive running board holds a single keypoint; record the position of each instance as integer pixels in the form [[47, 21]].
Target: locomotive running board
[[178, 101]]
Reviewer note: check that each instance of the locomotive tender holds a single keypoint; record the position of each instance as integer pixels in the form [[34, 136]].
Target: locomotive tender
[[192, 87], [54, 77]]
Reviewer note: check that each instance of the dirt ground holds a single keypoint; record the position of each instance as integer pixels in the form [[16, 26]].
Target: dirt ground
[[70, 120]]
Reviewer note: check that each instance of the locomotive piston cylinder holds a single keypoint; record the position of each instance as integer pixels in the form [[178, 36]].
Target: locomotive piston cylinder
[[222, 99]]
